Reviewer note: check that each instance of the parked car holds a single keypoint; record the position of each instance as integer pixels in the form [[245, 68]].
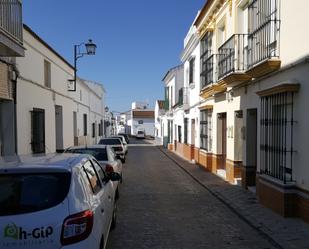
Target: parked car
[[124, 142], [57, 201], [125, 136], [105, 156], [116, 145], [140, 134]]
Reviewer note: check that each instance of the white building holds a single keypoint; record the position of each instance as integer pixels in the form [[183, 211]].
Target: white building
[[141, 118], [11, 46], [49, 117], [249, 116], [159, 112]]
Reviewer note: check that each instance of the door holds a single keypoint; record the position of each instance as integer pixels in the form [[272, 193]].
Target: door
[[193, 131], [59, 128], [75, 129], [251, 145], [38, 131]]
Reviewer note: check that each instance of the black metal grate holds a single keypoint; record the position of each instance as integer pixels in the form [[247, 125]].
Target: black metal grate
[[264, 27], [207, 61], [185, 132], [206, 130], [233, 55], [276, 145]]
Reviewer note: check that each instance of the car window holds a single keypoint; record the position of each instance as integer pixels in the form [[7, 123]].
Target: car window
[[110, 141], [99, 169], [98, 153], [92, 177], [24, 193]]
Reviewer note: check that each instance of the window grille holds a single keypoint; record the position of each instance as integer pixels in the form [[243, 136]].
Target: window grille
[[206, 129], [276, 135]]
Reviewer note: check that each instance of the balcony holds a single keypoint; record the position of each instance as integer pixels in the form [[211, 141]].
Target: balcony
[[183, 98], [11, 28], [232, 62], [263, 40]]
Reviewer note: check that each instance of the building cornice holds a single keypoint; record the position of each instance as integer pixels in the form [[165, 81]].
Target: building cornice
[[191, 45]]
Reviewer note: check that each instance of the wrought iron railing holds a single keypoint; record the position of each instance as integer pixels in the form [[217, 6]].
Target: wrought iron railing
[[11, 19], [264, 30], [233, 55], [208, 72]]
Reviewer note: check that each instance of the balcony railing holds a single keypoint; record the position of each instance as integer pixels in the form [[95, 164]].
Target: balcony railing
[[208, 74], [11, 19], [233, 55], [264, 27]]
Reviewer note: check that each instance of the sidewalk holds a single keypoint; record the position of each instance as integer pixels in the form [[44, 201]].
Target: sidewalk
[[286, 233]]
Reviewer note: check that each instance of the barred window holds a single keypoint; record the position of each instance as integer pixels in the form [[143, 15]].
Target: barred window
[[206, 129], [206, 60], [276, 145]]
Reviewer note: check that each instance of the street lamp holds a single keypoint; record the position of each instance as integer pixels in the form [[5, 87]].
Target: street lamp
[[90, 50]]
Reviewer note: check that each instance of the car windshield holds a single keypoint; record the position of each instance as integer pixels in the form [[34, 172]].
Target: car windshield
[[98, 153], [110, 141], [24, 193], [140, 132]]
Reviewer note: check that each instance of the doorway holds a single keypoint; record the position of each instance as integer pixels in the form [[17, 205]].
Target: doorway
[[251, 147], [221, 140], [59, 128]]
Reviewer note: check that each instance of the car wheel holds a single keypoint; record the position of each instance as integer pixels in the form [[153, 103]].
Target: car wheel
[[114, 218]]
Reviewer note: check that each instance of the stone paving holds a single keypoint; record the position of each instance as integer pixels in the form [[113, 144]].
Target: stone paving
[[163, 207], [285, 232]]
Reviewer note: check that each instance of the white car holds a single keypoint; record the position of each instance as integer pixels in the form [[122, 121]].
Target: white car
[[140, 134], [57, 201], [105, 156], [124, 142], [116, 145]]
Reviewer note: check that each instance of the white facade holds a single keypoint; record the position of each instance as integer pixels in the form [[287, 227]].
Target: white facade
[[63, 113]]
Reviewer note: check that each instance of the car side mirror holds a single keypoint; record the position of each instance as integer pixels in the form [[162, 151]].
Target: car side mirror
[[114, 176]]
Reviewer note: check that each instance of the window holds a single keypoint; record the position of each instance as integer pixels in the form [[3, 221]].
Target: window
[[206, 129], [93, 129], [85, 124], [38, 131], [32, 192], [276, 141], [99, 170], [207, 68], [192, 69], [47, 74], [140, 121], [186, 121], [92, 177], [98, 153], [80, 95]]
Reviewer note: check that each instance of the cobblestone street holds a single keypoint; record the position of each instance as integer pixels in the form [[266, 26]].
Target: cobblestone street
[[160, 206]]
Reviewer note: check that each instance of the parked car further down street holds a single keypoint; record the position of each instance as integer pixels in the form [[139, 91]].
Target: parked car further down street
[[116, 145], [125, 136], [56, 201], [140, 134], [105, 156], [123, 141]]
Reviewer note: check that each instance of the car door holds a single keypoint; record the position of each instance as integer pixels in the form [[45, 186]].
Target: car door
[[98, 206], [106, 196]]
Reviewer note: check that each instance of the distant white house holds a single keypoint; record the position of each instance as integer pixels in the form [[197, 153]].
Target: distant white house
[[141, 118]]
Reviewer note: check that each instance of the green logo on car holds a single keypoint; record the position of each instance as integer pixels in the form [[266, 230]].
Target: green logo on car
[[11, 231]]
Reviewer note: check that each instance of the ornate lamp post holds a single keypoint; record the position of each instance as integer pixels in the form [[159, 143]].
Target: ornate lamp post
[[78, 53]]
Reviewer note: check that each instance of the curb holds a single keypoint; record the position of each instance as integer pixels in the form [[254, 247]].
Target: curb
[[226, 203]]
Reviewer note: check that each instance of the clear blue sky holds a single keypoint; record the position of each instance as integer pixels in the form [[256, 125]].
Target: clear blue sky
[[137, 41]]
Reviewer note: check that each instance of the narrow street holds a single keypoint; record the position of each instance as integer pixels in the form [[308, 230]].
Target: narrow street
[[160, 206]]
